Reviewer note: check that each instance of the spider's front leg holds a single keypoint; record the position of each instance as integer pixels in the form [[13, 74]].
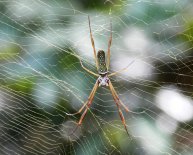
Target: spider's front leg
[[116, 96], [89, 102], [87, 105], [118, 103]]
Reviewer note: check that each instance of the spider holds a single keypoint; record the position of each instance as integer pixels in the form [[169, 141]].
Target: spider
[[102, 65]]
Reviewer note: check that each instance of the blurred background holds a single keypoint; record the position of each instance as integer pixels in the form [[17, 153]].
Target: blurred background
[[42, 81]]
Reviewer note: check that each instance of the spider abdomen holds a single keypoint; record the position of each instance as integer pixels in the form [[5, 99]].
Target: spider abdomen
[[102, 69]]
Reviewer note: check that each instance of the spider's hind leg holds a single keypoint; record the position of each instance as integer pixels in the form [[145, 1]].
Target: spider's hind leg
[[93, 45], [109, 47]]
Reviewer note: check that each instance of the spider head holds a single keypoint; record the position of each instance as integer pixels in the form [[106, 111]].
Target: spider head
[[103, 81]]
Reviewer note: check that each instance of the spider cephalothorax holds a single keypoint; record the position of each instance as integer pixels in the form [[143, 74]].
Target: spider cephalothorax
[[102, 65], [103, 80]]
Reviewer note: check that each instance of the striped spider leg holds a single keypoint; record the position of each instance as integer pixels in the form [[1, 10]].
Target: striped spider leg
[[103, 79], [109, 47], [118, 103], [93, 45]]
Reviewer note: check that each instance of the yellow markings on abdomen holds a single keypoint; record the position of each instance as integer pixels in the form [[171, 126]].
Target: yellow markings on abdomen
[[101, 62]]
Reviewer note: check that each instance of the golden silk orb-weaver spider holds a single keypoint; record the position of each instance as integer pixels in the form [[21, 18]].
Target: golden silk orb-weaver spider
[[102, 65]]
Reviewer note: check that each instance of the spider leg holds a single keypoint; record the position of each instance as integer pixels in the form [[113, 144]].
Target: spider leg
[[117, 97], [118, 106], [109, 46], [87, 104], [122, 70], [88, 70], [93, 45], [89, 99]]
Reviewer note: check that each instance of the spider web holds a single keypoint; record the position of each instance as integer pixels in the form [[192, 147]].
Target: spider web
[[43, 84]]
